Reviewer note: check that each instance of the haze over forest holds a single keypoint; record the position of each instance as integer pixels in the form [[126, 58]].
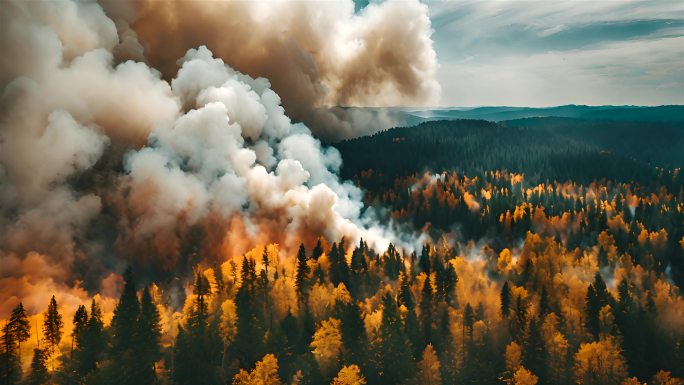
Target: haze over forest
[[340, 192]]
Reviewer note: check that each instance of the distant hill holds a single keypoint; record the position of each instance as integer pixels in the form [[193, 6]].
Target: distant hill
[[554, 148], [410, 117]]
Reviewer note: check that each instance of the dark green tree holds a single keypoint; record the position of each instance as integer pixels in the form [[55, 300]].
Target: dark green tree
[[505, 300], [148, 338], [396, 362], [39, 372], [302, 272], [52, 327]]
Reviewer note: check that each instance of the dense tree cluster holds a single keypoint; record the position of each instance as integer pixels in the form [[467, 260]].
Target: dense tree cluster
[[643, 222], [564, 270], [536, 313]]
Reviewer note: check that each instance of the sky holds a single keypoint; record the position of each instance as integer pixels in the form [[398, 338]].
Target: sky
[[546, 53]]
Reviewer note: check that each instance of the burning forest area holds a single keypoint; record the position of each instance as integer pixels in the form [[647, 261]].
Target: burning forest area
[[244, 192]]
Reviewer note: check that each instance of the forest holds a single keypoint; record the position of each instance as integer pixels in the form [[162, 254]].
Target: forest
[[545, 251]]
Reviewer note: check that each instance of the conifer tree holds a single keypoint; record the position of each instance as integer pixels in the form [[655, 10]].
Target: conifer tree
[[39, 372], [505, 300], [197, 354], [429, 367], [302, 271], [424, 261], [426, 312], [19, 325], [317, 250], [395, 358], [79, 324], [11, 368], [52, 327], [148, 339], [125, 317], [91, 341]]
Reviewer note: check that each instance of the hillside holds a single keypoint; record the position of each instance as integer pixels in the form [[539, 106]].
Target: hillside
[[541, 148]]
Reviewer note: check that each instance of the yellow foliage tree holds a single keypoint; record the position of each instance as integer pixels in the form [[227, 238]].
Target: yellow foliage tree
[[327, 344], [524, 377], [349, 375], [265, 373], [428, 367], [600, 363]]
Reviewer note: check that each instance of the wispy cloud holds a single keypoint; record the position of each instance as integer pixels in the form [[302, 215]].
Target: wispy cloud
[[555, 52]]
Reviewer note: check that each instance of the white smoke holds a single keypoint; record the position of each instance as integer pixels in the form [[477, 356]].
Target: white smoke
[[104, 163]]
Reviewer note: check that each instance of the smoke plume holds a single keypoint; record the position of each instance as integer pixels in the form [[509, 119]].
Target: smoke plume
[[317, 55], [125, 140]]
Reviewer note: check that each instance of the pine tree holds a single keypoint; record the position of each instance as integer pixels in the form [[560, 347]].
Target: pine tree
[[468, 320], [317, 251], [148, 340], [11, 372], [125, 316], [405, 297], [358, 260], [592, 307], [92, 342], [302, 271], [424, 261], [52, 327], [123, 327], [19, 325], [39, 372], [534, 353], [15, 331], [354, 338], [396, 360], [220, 280], [450, 281], [505, 300], [79, 322], [426, 311], [197, 354]]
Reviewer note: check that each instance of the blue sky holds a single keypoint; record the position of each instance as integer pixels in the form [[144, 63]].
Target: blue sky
[[543, 53]]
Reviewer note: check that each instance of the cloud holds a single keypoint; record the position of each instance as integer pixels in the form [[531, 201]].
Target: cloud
[[630, 73], [499, 46]]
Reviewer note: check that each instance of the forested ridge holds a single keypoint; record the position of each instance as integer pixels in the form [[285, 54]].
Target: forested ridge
[[541, 251]]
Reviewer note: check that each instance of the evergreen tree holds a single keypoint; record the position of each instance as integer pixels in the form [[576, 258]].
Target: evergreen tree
[[358, 260], [220, 279], [148, 340], [424, 262], [302, 271], [52, 327], [19, 325], [15, 331], [450, 281], [468, 320], [597, 297], [79, 322], [395, 358], [91, 343], [39, 372], [125, 317], [405, 297], [11, 373], [317, 251], [534, 353], [197, 354], [124, 327], [426, 312], [505, 300]]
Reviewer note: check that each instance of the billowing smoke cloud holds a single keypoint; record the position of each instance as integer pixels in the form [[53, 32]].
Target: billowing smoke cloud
[[317, 55], [104, 163]]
